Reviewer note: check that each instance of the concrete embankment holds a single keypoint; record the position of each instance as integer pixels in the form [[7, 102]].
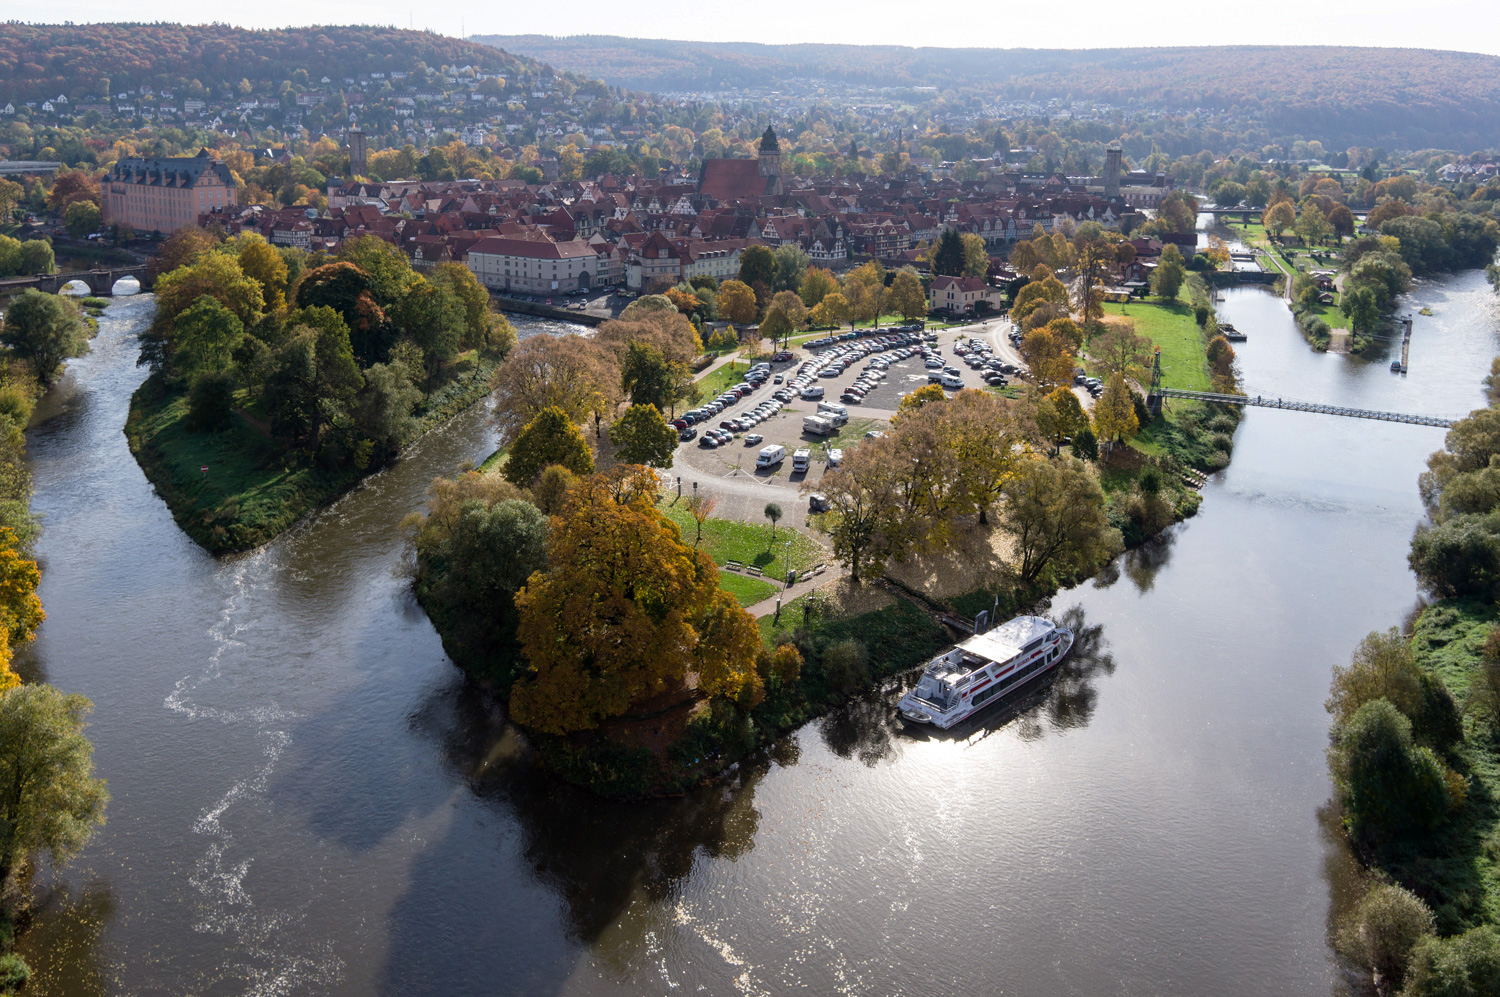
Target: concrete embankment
[[548, 311]]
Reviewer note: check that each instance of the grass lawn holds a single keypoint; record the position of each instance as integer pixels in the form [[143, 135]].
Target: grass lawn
[[730, 540], [850, 435], [726, 376], [898, 636], [494, 462], [246, 496], [747, 590], [1175, 331]]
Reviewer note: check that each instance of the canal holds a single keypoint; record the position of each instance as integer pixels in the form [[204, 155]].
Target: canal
[[308, 799]]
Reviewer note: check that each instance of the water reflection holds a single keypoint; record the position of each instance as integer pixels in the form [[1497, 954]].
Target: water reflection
[[61, 942], [612, 866]]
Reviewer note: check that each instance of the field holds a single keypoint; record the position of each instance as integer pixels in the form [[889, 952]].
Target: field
[[1174, 330]]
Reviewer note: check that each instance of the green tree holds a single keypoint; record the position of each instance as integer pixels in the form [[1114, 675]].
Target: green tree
[[642, 436], [1383, 930], [1055, 512], [949, 258], [976, 255], [44, 329], [82, 217], [649, 378], [1361, 307], [205, 337], [1312, 225], [1167, 278], [1457, 557], [773, 513], [50, 800], [1383, 668], [37, 257], [383, 409], [791, 267], [757, 266], [549, 438], [1389, 785], [435, 320]]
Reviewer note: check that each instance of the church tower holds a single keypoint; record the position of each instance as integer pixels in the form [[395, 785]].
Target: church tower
[[357, 165], [770, 161], [1112, 171]]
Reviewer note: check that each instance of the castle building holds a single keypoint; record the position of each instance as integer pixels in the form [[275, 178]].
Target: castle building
[[164, 195]]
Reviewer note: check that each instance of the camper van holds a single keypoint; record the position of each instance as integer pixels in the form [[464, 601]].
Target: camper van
[[818, 425], [834, 412], [771, 456], [801, 460]]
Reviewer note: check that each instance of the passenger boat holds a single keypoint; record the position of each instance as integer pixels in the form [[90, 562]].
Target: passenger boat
[[980, 670]]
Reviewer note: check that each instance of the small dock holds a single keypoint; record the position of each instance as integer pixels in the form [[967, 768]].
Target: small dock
[[1402, 366]]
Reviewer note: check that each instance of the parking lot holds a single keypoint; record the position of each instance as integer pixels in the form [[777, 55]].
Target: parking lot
[[734, 462]]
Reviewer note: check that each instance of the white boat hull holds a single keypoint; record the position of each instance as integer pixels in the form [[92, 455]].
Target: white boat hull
[[921, 713]]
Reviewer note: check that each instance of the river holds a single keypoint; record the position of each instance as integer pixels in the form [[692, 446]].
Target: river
[[309, 799]]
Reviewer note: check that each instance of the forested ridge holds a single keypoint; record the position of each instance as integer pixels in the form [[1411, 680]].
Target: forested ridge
[[40, 61], [1413, 98]]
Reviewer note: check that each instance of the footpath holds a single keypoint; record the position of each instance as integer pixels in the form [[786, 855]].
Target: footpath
[[768, 606]]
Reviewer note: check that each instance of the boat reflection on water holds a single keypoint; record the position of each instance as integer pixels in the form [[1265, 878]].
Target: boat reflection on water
[[1061, 699]]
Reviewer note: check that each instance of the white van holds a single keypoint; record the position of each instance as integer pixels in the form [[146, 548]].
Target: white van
[[770, 456], [834, 412], [952, 382], [812, 391], [818, 425], [801, 460]]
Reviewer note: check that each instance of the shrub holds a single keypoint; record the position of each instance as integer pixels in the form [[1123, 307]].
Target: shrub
[[1456, 558], [1383, 930], [846, 665], [210, 402], [13, 972], [1201, 314], [1466, 966], [15, 404]]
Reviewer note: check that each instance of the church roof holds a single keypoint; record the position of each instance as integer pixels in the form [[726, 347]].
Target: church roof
[[768, 141]]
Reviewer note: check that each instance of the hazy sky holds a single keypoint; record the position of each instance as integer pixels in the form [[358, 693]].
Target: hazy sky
[[1467, 25]]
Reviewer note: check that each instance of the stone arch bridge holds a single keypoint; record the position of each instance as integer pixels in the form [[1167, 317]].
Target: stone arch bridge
[[101, 281]]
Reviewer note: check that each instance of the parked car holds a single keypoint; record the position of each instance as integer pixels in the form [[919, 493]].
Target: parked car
[[709, 442], [687, 434], [753, 439]]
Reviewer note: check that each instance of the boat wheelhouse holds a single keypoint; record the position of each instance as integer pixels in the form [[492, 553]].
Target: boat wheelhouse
[[978, 671]]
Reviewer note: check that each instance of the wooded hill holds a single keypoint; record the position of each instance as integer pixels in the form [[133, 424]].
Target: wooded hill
[[40, 61], [1411, 98]]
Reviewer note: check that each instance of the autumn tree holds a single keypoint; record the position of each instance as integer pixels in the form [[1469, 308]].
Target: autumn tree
[[737, 302], [701, 507], [1048, 358], [817, 284], [1278, 218], [50, 799], [787, 315], [625, 611], [833, 310], [1054, 512], [1114, 412], [642, 436], [864, 289], [1119, 349], [906, 297], [1067, 417], [925, 395], [551, 437], [567, 372], [261, 262], [1341, 220], [1042, 290], [70, 187]]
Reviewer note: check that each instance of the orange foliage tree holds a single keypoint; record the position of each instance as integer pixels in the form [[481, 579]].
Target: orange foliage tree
[[625, 611]]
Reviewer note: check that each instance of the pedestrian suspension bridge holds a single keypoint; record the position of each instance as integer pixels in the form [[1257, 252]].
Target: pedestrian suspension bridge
[[1153, 402]]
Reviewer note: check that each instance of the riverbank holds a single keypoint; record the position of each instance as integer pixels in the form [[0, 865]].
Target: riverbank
[[237, 489]]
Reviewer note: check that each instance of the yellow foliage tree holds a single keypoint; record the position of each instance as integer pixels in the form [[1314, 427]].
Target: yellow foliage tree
[[1114, 413], [737, 302]]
